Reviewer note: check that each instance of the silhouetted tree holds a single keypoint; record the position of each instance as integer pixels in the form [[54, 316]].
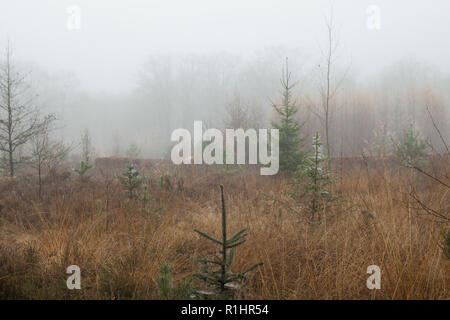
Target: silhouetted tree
[[20, 120]]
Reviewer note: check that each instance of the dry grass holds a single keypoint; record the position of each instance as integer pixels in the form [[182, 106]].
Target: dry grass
[[119, 248]]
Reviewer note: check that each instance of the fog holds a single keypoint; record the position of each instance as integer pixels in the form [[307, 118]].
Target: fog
[[136, 70]]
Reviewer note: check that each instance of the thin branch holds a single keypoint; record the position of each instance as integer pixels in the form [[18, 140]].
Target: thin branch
[[438, 131]]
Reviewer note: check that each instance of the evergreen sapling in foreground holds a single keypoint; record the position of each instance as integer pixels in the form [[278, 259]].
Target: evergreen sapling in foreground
[[221, 278]]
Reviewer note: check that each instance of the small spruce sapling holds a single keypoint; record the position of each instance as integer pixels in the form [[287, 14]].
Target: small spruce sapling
[[85, 164], [222, 279], [130, 180], [84, 167], [411, 149], [313, 179], [291, 140]]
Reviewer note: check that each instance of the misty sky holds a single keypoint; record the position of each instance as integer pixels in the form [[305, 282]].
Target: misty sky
[[116, 37]]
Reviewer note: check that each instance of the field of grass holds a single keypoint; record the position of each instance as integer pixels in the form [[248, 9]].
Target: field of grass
[[119, 244]]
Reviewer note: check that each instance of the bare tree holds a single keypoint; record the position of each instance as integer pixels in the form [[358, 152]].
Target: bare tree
[[243, 115], [328, 87], [46, 154], [237, 114], [20, 120]]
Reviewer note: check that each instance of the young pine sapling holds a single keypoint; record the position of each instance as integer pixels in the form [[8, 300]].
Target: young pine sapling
[[313, 179], [130, 180], [222, 279]]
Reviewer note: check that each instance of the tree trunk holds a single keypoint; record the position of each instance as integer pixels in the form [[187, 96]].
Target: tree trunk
[[11, 163], [10, 116], [40, 179]]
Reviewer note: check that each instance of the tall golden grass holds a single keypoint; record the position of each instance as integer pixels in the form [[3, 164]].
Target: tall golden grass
[[119, 247]]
